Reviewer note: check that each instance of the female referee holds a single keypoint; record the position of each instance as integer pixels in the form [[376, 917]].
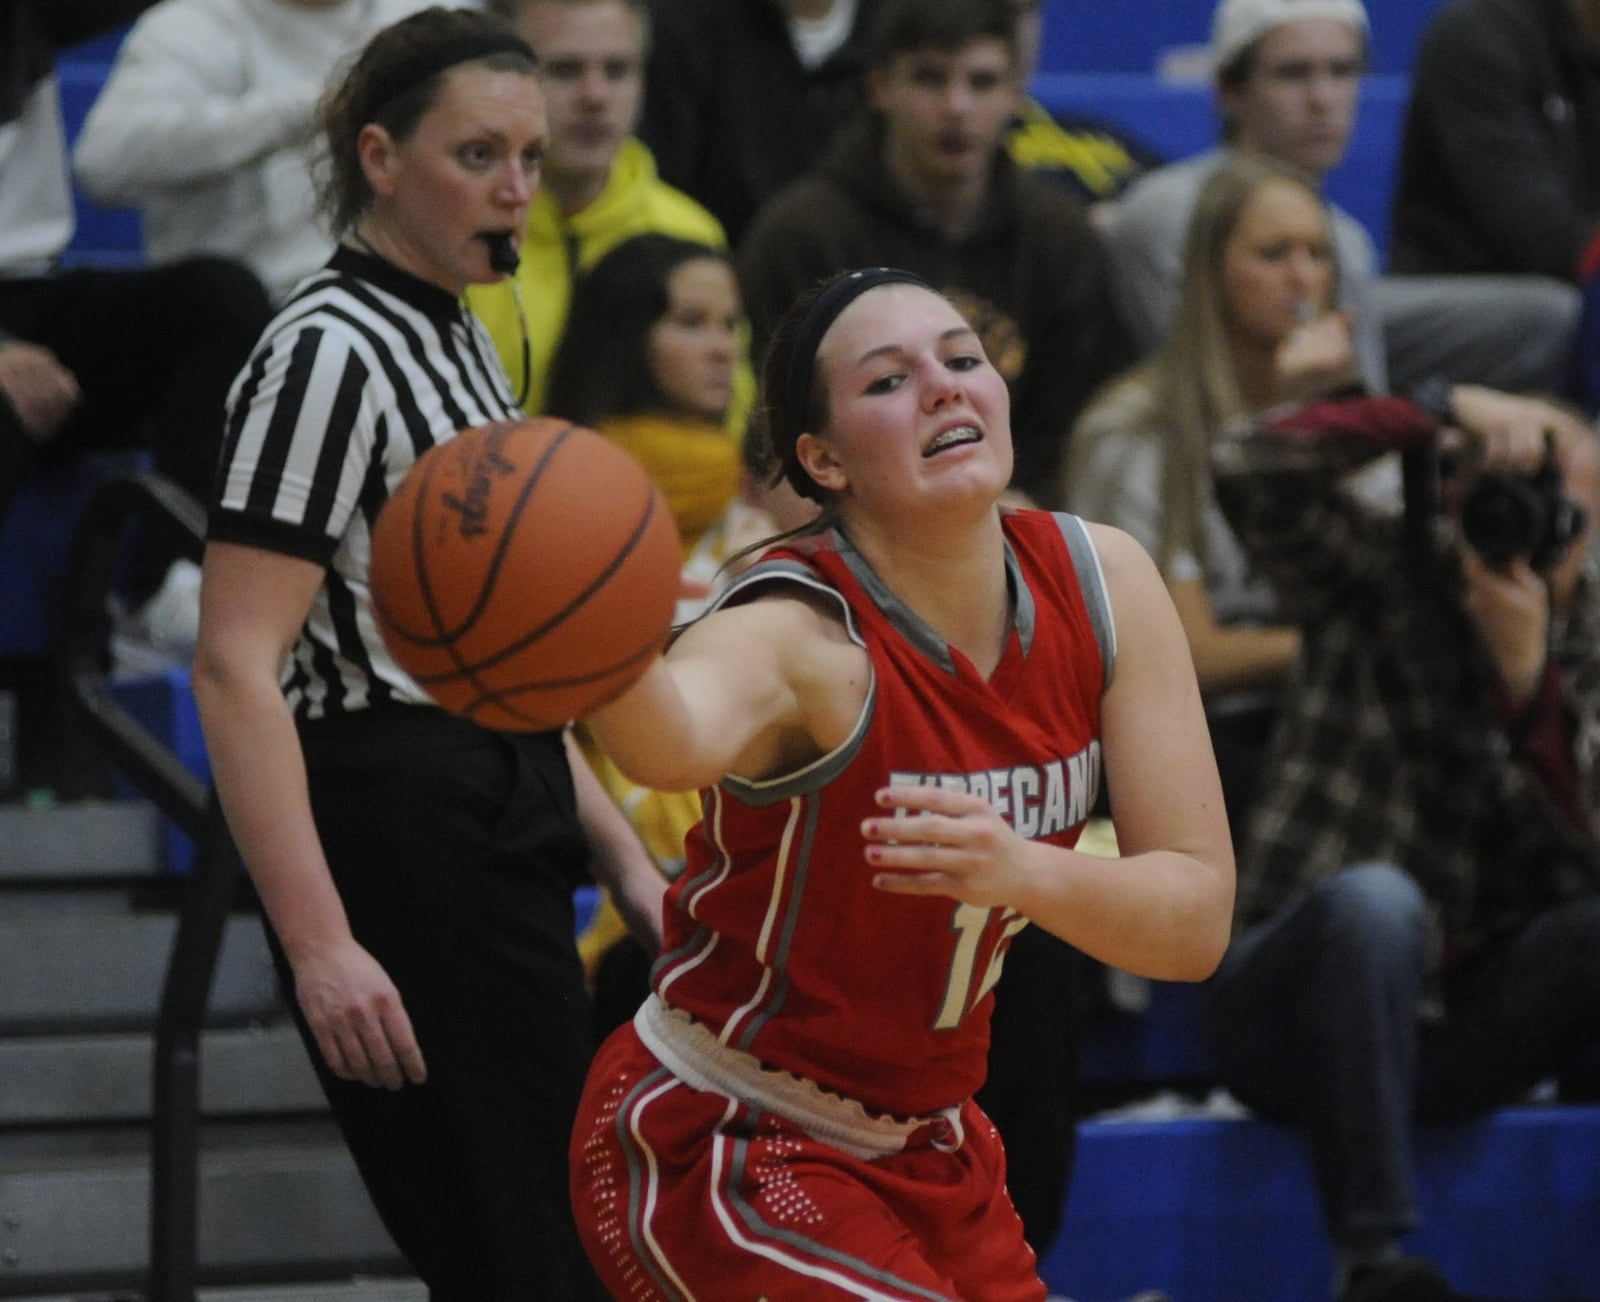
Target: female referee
[[416, 870], [900, 723]]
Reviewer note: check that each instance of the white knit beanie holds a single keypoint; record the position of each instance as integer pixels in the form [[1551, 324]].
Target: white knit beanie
[[1238, 24]]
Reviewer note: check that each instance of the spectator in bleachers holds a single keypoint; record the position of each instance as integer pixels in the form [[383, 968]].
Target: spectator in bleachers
[[600, 185], [205, 126], [648, 358], [742, 95], [1287, 76], [1094, 159], [1417, 931], [1257, 325], [93, 357], [922, 181], [745, 95], [1500, 169]]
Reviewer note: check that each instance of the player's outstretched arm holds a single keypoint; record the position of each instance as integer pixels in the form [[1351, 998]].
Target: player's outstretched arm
[[754, 689], [252, 604]]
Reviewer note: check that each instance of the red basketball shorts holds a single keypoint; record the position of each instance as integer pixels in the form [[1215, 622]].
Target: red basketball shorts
[[689, 1195]]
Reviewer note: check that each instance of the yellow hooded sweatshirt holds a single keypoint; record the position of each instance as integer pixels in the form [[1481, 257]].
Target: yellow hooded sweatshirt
[[556, 249]]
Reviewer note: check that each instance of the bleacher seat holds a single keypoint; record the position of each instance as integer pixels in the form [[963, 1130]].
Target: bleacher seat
[[1158, 1045], [103, 237], [35, 543], [1213, 1210], [101, 50]]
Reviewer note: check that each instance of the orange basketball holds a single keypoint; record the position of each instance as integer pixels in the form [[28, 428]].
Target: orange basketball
[[525, 572]]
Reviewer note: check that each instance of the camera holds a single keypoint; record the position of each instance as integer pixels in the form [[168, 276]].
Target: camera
[[1506, 516]]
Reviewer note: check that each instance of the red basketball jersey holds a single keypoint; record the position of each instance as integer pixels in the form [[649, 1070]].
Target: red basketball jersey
[[776, 938]]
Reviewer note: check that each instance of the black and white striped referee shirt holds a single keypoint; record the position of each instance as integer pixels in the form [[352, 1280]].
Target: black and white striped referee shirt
[[362, 371]]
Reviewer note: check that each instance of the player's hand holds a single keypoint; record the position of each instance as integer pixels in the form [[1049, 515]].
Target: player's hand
[[39, 388], [1510, 607], [357, 1017], [932, 841]]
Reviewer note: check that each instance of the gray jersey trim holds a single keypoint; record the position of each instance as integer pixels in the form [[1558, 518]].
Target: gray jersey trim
[[825, 768], [1092, 582], [911, 625]]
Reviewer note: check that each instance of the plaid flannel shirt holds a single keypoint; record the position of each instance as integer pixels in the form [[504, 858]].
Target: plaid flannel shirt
[[1392, 745]]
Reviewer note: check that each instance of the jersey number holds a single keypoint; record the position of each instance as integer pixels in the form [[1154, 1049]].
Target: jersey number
[[960, 998]]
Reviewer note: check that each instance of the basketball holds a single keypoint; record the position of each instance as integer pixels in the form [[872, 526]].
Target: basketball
[[525, 573]]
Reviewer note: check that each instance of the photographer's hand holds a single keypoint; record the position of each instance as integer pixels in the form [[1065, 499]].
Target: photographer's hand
[[1510, 608], [1497, 431]]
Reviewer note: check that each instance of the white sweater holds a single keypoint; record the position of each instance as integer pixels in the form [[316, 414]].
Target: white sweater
[[205, 124], [36, 218]]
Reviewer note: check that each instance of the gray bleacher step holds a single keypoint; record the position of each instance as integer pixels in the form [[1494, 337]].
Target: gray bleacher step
[[80, 839], [53, 1080], [103, 970], [278, 1210]]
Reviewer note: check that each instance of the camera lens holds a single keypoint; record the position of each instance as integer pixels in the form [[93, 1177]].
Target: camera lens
[[1502, 518]]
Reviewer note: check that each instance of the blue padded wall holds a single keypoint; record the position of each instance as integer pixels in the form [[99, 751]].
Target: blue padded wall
[[104, 236], [1131, 35]]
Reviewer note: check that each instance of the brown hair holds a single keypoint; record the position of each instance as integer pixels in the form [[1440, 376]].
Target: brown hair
[[1190, 389], [393, 82]]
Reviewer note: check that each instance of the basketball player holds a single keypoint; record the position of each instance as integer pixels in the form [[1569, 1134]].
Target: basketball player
[[416, 870], [899, 720]]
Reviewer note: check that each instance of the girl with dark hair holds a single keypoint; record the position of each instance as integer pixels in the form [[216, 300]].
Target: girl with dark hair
[[416, 870], [647, 357], [897, 725]]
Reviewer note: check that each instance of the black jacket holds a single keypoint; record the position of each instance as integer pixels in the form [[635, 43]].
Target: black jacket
[[32, 32], [1500, 167], [730, 113], [1030, 276]]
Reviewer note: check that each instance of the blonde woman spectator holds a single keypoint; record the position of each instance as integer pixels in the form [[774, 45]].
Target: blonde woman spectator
[[1257, 324]]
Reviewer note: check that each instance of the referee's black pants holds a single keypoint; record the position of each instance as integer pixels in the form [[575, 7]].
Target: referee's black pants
[[455, 851]]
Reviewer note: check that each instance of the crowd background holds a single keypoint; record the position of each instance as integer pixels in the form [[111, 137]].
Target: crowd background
[[1112, 94]]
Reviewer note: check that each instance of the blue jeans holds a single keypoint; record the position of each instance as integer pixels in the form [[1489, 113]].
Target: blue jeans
[[1313, 1019]]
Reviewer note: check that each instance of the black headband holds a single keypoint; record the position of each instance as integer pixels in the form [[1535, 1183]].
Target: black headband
[[434, 58], [824, 310]]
